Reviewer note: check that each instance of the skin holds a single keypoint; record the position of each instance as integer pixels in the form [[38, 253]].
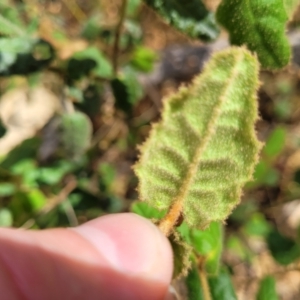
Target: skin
[[122, 256]]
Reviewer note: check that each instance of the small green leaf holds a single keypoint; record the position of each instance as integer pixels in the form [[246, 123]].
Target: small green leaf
[[275, 143], [221, 287], [202, 152], [102, 68], [259, 24], [143, 59], [10, 21], [190, 17], [107, 174], [207, 243], [127, 89], [6, 218], [257, 225], [283, 249], [267, 289], [144, 210], [76, 134], [7, 189]]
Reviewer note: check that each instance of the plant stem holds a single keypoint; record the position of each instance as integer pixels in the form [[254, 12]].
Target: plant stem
[[118, 36], [167, 224], [203, 280]]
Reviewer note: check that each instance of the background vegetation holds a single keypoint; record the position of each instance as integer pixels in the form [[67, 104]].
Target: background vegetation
[[80, 83]]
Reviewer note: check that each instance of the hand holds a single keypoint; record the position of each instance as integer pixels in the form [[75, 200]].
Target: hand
[[115, 257]]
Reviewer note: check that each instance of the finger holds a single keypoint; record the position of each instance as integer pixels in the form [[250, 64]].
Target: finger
[[119, 256]]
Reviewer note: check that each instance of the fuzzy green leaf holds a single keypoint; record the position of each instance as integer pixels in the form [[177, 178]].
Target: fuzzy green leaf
[[259, 24], [76, 134], [202, 152]]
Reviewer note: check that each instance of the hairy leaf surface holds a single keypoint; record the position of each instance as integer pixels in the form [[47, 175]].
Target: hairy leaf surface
[[259, 24], [76, 134], [199, 156]]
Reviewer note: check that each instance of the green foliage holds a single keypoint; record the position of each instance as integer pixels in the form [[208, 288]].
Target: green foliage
[[207, 243], [23, 55], [259, 24], [89, 60], [206, 132], [193, 285], [221, 287], [283, 249], [76, 134], [264, 173], [127, 90], [146, 211], [275, 143], [6, 218], [267, 289], [143, 59], [191, 17]]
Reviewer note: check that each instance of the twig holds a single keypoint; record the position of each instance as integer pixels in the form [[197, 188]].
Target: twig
[[118, 36], [70, 213], [61, 197], [64, 193]]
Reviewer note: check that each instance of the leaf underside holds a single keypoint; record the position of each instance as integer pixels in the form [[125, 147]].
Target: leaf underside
[[259, 24], [204, 149]]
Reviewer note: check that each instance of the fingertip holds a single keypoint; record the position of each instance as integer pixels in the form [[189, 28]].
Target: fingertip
[[132, 245]]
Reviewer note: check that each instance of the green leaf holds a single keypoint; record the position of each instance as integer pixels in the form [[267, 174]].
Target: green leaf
[[102, 68], [283, 249], [193, 285], [275, 143], [127, 89], [267, 289], [207, 243], [107, 174], [76, 134], [7, 189], [146, 211], [202, 152], [22, 55], [10, 21], [221, 287], [259, 24], [257, 225], [143, 59], [6, 218], [190, 17], [290, 6]]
